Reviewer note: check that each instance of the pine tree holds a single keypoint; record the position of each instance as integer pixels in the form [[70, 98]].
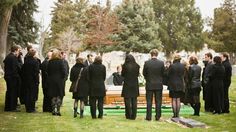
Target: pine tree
[[139, 28], [180, 25], [222, 37], [23, 28]]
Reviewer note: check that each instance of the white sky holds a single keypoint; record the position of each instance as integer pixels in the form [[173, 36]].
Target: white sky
[[45, 8]]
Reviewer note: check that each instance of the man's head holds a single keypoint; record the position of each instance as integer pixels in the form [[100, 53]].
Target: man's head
[[49, 54], [90, 58], [208, 57], [29, 47], [154, 53], [15, 49], [224, 56]]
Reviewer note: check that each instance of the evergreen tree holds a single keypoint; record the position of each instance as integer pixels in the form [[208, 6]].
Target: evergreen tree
[[139, 28], [23, 28], [180, 25], [224, 27]]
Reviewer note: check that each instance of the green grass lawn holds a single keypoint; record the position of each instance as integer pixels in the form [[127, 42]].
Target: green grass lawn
[[42, 122]]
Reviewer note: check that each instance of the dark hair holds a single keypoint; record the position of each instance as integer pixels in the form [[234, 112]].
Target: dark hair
[[32, 52], [89, 55], [226, 55], [79, 60], [217, 59], [98, 59], [154, 52], [129, 59], [29, 47], [209, 55], [15, 48], [193, 60]]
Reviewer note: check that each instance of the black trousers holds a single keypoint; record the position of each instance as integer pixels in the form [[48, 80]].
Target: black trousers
[[208, 98], [96, 102], [158, 101], [130, 107], [47, 106], [226, 97], [13, 85]]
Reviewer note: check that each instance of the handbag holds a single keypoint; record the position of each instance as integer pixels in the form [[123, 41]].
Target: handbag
[[74, 84]]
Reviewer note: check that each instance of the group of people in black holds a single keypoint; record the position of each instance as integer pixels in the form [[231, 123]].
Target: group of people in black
[[88, 80], [22, 79]]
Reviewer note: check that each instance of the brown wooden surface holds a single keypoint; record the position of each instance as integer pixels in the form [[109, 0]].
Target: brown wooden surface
[[113, 96]]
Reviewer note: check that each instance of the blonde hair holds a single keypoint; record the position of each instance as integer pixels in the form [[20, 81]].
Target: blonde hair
[[56, 54]]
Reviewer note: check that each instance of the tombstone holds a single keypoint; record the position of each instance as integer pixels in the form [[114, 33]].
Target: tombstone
[[191, 123]]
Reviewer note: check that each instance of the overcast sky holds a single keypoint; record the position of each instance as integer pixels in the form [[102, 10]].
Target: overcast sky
[[45, 8]]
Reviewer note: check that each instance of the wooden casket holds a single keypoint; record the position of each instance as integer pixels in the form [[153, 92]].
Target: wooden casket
[[113, 96]]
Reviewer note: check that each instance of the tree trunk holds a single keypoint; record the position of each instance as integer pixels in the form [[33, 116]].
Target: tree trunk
[[232, 58], [4, 22]]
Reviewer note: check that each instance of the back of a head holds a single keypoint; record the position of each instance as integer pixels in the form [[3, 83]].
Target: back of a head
[[79, 60], [217, 60], [129, 59], [98, 59], [29, 47], [154, 52], [177, 58], [56, 54], [32, 52], [193, 60]]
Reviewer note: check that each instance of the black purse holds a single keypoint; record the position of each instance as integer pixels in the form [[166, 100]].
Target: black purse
[[74, 84]]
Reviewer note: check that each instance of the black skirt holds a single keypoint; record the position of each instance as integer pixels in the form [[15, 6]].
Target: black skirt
[[176, 94], [76, 96]]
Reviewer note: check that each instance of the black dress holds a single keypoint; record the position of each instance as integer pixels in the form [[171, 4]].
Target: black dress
[[83, 86]]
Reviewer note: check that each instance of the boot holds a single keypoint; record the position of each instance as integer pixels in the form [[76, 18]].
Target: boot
[[197, 109], [194, 108], [75, 112], [81, 113], [54, 110], [58, 111]]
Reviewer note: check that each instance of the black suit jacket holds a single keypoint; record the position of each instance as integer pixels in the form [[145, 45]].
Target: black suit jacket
[[153, 72], [11, 66]]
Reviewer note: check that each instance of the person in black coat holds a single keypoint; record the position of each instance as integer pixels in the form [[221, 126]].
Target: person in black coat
[[153, 72], [12, 78], [56, 75], [217, 80], [176, 84], [47, 107], [30, 73], [227, 80], [97, 76], [67, 68], [130, 90], [88, 62], [82, 89], [117, 78], [206, 84], [194, 87]]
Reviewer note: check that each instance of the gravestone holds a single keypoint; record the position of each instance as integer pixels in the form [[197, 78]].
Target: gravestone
[[191, 123]]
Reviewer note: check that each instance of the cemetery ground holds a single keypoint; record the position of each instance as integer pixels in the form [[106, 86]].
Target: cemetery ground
[[42, 122]]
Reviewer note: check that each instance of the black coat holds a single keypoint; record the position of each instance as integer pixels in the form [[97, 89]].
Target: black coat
[[117, 79], [176, 77], [228, 73], [56, 75], [153, 72], [130, 72], [30, 77], [11, 66], [83, 86], [194, 76], [44, 76], [97, 76], [216, 77]]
